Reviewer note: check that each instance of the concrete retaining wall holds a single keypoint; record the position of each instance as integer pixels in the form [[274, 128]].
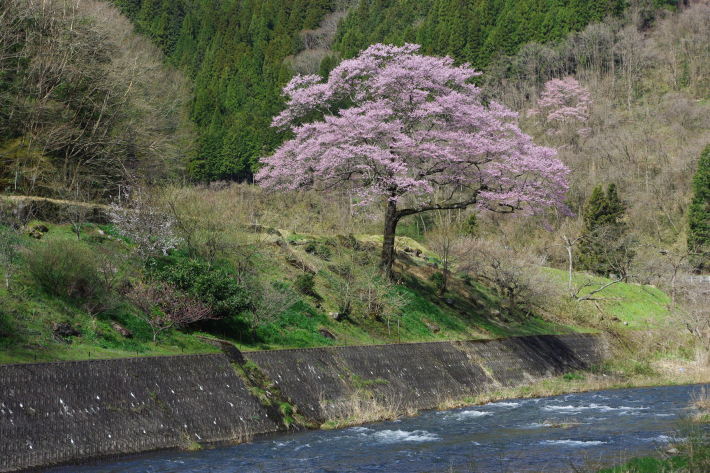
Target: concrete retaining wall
[[58, 412], [63, 412], [322, 381]]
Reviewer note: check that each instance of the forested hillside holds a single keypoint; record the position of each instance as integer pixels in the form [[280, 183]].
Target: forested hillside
[[90, 107], [85, 103], [240, 53], [234, 51], [469, 30]]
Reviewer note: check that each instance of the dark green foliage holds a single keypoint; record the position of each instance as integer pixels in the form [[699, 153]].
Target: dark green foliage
[[305, 284], [699, 214], [235, 52], [604, 247], [438, 280], [320, 250], [214, 285], [473, 31], [7, 327], [470, 226]]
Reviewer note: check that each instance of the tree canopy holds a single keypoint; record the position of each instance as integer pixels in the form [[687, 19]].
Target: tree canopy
[[412, 131], [236, 53]]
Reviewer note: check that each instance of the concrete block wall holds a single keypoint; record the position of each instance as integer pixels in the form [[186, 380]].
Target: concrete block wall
[[57, 412], [320, 381], [65, 412]]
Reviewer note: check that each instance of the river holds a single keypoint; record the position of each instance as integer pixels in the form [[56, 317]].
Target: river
[[521, 435]]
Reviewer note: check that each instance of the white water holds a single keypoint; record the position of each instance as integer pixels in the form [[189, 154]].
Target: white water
[[522, 435]]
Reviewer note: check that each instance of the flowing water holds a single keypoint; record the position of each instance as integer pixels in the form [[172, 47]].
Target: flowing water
[[523, 435]]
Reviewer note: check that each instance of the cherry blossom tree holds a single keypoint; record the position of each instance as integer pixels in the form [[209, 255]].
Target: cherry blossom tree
[[414, 133], [563, 102]]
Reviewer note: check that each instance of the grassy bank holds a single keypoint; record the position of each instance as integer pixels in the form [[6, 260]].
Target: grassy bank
[[322, 277], [68, 286]]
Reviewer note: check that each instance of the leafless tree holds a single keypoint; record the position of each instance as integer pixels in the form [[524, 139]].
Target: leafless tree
[[139, 217], [162, 307], [445, 240], [90, 100], [693, 297], [270, 301], [516, 274]]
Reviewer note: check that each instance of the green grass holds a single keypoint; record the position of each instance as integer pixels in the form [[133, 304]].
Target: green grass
[[639, 305], [693, 457], [469, 310], [650, 465]]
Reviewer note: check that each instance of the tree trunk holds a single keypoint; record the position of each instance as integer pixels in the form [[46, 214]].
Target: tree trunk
[[391, 220]]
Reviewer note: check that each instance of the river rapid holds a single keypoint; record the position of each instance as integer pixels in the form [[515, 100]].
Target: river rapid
[[521, 435]]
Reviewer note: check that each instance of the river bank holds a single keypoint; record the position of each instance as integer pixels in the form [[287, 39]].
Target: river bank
[[55, 413], [583, 432]]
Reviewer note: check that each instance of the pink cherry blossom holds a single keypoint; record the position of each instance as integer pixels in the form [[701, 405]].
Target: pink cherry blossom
[[394, 126], [564, 101]]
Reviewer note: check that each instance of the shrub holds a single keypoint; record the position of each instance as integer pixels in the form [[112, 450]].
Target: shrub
[[7, 327], [162, 307], [142, 220], [214, 285], [320, 250], [270, 300], [66, 269], [306, 284], [438, 280]]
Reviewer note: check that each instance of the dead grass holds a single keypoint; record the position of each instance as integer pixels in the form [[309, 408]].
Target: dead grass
[[363, 408], [700, 402], [684, 373]]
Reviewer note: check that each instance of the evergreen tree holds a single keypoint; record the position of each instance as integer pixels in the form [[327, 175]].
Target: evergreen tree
[[604, 247], [234, 51], [699, 214]]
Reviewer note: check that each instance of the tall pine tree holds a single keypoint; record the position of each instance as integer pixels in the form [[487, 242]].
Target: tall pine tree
[[604, 247], [699, 214]]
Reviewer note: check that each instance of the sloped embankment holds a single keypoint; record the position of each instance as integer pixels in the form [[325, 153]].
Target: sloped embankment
[[67, 412]]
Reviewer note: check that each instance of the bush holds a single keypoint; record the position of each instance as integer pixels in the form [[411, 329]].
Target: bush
[[7, 327], [438, 280], [320, 250], [162, 307], [213, 285], [306, 284], [66, 269]]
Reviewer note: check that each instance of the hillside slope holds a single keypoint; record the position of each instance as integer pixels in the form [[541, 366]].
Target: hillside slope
[[86, 104], [240, 53], [68, 290]]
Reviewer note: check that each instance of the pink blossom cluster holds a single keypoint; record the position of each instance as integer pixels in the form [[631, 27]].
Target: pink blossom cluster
[[564, 100], [391, 123]]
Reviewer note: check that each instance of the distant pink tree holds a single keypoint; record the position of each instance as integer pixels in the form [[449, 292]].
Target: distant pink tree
[[564, 101], [413, 132]]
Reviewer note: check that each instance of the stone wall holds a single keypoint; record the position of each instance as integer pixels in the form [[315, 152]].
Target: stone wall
[[58, 412], [26, 208], [323, 381], [62, 412]]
